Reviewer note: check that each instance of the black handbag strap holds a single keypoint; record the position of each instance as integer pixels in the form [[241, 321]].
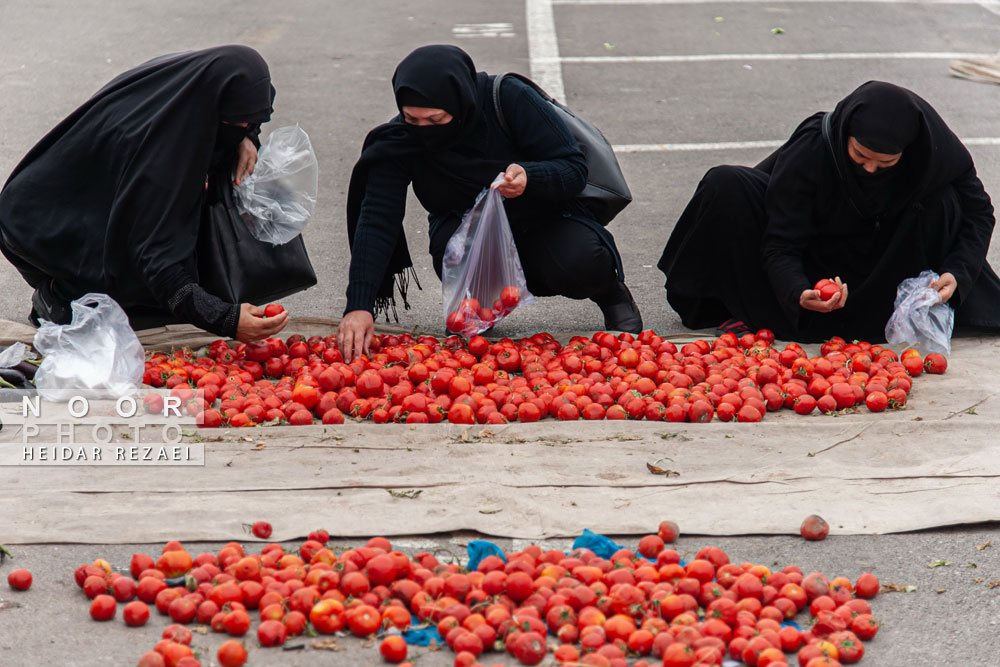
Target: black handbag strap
[[498, 79], [827, 130]]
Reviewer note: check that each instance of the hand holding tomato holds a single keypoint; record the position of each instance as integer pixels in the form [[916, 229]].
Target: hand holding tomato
[[355, 333], [945, 286], [254, 326], [515, 181], [246, 160], [813, 299]]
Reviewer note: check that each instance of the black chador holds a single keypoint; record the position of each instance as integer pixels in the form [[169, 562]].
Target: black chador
[[753, 239], [111, 199]]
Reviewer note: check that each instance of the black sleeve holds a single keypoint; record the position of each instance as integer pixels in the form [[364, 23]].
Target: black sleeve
[[790, 202], [191, 303], [555, 165], [379, 223], [965, 258]]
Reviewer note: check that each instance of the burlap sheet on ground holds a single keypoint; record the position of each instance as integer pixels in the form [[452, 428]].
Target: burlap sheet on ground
[[934, 464]]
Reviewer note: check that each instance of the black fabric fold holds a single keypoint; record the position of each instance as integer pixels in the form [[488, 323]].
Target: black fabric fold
[[110, 199]]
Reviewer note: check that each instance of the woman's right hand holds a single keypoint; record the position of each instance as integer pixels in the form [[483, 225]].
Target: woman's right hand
[[810, 299], [355, 333], [254, 326]]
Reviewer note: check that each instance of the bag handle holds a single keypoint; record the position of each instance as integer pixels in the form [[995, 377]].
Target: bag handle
[[498, 79]]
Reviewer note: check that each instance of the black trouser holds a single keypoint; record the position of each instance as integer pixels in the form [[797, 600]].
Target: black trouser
[[58, 294], [560, 256]]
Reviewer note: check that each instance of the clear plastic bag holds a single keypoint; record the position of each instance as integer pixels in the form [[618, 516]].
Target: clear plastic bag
[[277, 200], [482, 281], [96, 355], [919, 317]]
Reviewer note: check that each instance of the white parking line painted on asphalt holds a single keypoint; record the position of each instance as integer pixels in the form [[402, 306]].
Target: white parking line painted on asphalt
[[743, 145], [770, 2], [739, 57], [543, 47], [464, 30]]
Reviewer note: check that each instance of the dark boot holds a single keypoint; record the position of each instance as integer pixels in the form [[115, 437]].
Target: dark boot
[[620, 310], [45, 305]]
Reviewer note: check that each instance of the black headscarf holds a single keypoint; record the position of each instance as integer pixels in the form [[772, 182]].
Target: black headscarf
[[436, 77], [889, 119], [110, 199]]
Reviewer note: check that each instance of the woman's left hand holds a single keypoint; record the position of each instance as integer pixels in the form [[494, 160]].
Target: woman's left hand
[[515, 180], [246, 160], [945, 286]]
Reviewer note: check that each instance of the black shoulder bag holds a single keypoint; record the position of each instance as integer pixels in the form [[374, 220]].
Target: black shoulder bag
[[235, 266], [606, 192]]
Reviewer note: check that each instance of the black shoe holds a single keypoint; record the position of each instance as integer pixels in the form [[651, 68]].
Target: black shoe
[[620, 310], [45, 305], [733, 326]]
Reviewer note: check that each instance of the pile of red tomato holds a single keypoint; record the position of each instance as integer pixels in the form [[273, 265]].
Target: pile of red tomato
[[425, 380], [471, 317], [646, 606]]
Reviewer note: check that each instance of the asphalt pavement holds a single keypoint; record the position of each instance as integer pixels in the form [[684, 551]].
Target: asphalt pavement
[[685, 85]]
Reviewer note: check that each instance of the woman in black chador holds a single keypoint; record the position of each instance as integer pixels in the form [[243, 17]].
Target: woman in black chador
[[448, 143], [111, 199], [869, 194]]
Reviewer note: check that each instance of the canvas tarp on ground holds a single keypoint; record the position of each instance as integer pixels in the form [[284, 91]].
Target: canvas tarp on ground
[[934, 464]]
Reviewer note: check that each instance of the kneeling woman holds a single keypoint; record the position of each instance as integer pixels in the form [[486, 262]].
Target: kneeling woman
[[448, 142], [869, 194], [111, 200]]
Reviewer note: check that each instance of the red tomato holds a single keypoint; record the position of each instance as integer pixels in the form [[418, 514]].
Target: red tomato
[[273, 309], [827, 289], [935, 363], [103, 608], [271, 633], [262, 529], [814, 527], [393, 649], [510, 296], [19, 580], [231, 654]]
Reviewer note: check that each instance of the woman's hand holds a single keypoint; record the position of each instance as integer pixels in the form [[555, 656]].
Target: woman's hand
[[945, 286], [254, 326], [515, 180], [354, 335], [246, 160], [811, 300]]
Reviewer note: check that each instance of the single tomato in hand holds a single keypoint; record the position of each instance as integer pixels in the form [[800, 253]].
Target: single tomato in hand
[[273, 309], [827, 289]]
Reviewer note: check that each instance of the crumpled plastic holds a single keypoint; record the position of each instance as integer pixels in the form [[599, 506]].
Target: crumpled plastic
[[423, 636], [278, 198], [14, 355], [96, 355], [919, 318], [480, 549], [603, 547]]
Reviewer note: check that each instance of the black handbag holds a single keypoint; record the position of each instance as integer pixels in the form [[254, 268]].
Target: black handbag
[[235, 266], [606, 192]]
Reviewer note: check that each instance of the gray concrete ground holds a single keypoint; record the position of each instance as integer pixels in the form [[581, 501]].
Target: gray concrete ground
[[331, 64], [949, 619]]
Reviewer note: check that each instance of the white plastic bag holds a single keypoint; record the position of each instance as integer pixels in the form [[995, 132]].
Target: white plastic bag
[[482, 281], [97, 355], [277, 200], [919, 317]]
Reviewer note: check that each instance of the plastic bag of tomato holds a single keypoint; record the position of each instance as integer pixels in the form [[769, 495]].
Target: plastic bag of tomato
[[426, 380], [646, 606]]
